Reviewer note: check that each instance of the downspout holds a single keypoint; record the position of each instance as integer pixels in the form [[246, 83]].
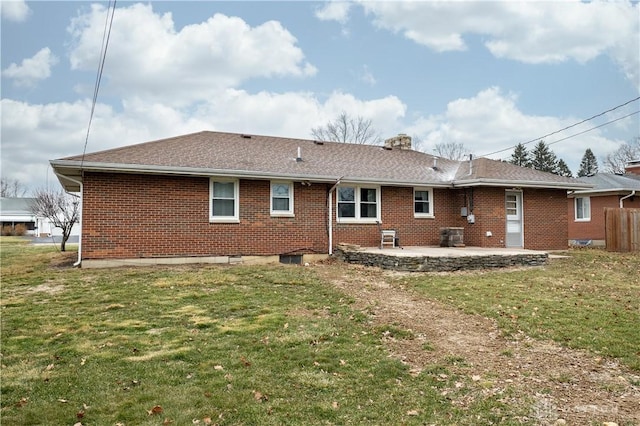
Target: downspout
[[79, 261], [625, 197], [330, 202]]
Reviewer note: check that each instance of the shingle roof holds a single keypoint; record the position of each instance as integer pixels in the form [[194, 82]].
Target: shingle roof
[[16, 205], [215, 153], [608, 183]]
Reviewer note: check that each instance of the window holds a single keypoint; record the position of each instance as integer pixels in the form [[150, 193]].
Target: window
[[422, 202], [358, 204], [224, 200], [281, 199], [583, 208], [512, 207]]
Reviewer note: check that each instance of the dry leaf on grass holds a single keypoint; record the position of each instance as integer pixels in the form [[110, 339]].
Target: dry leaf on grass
[[155, 410], [258, 396]]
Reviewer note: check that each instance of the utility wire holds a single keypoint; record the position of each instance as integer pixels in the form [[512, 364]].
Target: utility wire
[[106, 34], [569, 127], [593, 128]]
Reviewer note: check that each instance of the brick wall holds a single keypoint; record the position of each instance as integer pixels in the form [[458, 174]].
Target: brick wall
[[134, 216], [397, 213], [140, 216], [595, 228], [545, 219]]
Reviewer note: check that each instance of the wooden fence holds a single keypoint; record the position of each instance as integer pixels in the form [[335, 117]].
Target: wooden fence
[[622, 229]]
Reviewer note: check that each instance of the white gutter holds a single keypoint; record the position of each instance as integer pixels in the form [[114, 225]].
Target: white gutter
[[79, 261], [625, 197], [521, 184], [330, 202]]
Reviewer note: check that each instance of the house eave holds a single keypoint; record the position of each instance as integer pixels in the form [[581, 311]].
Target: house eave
[[520, 184], [612, 191], [73, 170]]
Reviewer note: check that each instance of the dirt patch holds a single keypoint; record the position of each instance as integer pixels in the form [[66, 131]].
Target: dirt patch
[[559, 383], [63, 260], [47, 288]]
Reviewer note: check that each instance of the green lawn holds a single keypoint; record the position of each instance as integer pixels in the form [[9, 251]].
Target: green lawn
[[217, 345], [264, 345]]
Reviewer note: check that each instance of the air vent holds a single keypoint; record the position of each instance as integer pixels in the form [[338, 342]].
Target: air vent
[[245, 136], [318, 142]]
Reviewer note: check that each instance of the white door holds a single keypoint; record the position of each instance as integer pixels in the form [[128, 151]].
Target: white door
[[513, 206]]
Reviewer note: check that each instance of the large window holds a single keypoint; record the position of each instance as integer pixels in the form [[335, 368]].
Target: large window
[[583, 208], [358, 204], [281, 198], [423, 202], [224, 200]]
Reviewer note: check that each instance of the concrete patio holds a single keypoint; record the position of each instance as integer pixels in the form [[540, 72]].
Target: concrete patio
[[438, 259]]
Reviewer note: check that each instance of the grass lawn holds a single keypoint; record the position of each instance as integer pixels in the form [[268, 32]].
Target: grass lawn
[[590, 300], [264, 345], [214, 345]]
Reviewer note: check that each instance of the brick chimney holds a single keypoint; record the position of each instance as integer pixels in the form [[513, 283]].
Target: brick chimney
[[401, 141]]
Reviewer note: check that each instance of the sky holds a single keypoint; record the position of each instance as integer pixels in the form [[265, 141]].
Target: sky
[[485, 74]]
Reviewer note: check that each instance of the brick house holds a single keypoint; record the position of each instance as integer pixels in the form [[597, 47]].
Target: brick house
[[586, 206], [212, 196]]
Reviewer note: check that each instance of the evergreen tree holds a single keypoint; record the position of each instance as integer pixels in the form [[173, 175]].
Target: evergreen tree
[[562, 169], [588, 165], [543, 158], [520, 156]]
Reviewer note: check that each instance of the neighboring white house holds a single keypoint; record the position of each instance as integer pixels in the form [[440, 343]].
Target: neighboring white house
[[17, 211]]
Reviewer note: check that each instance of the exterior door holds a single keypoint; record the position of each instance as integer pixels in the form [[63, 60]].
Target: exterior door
[[513, 207]]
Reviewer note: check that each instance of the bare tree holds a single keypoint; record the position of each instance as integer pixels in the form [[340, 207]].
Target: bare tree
[[451, 150], [12, 188], [615, 162], [60, 208], [347, 129]]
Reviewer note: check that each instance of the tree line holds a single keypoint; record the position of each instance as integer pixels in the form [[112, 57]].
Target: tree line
[[544, 159]]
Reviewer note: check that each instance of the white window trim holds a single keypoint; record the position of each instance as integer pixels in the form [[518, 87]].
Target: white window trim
[[281, 213], [575, 209], [431, 206], [358, 219], [236, 199]]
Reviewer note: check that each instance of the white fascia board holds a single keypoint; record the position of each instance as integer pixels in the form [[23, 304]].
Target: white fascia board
[[612, 191], [193, 171], [520, 184]]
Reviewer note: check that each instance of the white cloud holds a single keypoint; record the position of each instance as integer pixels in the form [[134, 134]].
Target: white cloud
[[529, 32], [148, 56], [34, 134], [32, 70], [14, 10], [491, 121], [334, 11]]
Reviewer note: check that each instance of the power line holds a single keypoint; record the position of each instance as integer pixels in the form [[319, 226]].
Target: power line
[[593, 128], [106, 34], [569, 127]]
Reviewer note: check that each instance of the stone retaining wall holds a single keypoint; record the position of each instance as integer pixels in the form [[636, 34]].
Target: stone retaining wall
[[439, 264]]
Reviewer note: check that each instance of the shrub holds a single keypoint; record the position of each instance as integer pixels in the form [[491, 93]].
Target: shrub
[[20, 230]]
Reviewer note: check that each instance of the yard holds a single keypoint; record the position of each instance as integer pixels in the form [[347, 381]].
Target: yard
[[325, 344]]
